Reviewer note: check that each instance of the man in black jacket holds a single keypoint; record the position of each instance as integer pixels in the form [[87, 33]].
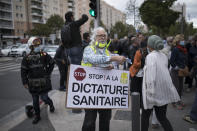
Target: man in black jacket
[[36, 69], [76, 51], [61, 60]]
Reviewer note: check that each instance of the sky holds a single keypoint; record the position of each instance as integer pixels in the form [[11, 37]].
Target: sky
[[191, 8]]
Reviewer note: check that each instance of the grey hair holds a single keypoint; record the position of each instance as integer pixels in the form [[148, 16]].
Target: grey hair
[[94, 33]]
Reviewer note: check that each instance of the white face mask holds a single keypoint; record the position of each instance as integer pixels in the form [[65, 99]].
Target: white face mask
[[148, 50], [36, 49]]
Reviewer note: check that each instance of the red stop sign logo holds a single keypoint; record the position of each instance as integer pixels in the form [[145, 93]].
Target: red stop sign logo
[[79, 74]]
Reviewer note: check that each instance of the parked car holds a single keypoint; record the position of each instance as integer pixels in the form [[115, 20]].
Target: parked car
[[22, 50], [1, 54], [51, 50], [8, 49]]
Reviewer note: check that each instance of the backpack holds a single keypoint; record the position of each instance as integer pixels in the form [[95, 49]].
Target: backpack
[[66, 36], [144, 54]]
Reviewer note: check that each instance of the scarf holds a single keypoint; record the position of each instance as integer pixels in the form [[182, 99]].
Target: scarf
[[181, 48]]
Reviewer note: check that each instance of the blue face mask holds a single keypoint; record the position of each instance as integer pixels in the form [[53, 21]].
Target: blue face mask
[[182, 43]]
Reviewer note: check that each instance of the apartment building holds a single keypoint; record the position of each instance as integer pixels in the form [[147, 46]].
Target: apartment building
[[82, 7], [6, 18], [111, 15], [19, 16]]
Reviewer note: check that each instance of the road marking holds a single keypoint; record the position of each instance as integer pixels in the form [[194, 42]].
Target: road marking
[[16, 117], [12, 119], [7, 64], [16, 65], [192, 129], [10, 68]]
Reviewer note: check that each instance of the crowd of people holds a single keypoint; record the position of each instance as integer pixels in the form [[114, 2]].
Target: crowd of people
[[158, 69]]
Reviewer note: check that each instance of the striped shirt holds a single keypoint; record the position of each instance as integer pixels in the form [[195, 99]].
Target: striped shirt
[[98, 59], [158, 88]]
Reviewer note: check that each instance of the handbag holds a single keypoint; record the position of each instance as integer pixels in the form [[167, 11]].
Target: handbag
[[183, 72]]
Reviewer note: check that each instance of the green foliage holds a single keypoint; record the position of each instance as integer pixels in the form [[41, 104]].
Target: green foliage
[[155, 13], [55, 22], [122, 30], [40, 30], [176, 29], [101, 24]]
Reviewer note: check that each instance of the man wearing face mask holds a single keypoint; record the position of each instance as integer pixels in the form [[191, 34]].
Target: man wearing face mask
[[36, 69], [97, 55]]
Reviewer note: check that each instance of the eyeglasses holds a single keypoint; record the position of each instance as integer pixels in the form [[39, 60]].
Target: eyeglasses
[[101, 36]]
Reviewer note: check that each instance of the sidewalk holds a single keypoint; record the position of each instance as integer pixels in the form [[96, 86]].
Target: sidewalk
[[64, 120]]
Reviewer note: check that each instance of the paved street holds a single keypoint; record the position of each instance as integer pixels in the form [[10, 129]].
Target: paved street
[[13, 98]]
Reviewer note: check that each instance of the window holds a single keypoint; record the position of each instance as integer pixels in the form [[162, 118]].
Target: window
[[21, 15], [17, 15]]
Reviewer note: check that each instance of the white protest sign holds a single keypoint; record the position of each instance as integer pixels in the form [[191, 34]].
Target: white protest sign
[[91, 87]]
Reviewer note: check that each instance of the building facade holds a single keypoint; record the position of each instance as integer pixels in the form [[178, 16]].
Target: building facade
[[6, 18], [111, 15], [20, 16]]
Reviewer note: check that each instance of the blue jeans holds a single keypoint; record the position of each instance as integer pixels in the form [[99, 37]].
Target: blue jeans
[[36, 105], [193, 113]]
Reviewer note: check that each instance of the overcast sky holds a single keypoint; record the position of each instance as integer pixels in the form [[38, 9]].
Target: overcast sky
[[191, 7]]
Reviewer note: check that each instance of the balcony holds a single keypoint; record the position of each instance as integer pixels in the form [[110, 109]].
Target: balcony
[[36, 14], [5, 9], [70, 1], [36, 7], [6, 26], [39, 1], [6, 1], [37, 21], [4, 17]]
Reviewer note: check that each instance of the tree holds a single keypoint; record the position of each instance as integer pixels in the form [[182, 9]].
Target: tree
[[176, 29], [92, 25], [122, 30], [157, 13], [40, 30], [55, 22]]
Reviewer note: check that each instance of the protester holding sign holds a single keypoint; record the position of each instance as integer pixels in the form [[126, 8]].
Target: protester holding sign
[[97, 55]]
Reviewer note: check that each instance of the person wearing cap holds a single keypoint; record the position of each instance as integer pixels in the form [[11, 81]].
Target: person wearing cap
[[36, 69], [157, 89]]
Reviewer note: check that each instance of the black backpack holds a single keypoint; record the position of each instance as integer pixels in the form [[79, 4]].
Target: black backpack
[[144, 54], [66, 36]]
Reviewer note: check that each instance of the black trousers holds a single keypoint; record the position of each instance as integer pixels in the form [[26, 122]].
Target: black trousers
[[89, 123], [160, 112], [36, 105], [136, 86], [177, 81], [63, 75]]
